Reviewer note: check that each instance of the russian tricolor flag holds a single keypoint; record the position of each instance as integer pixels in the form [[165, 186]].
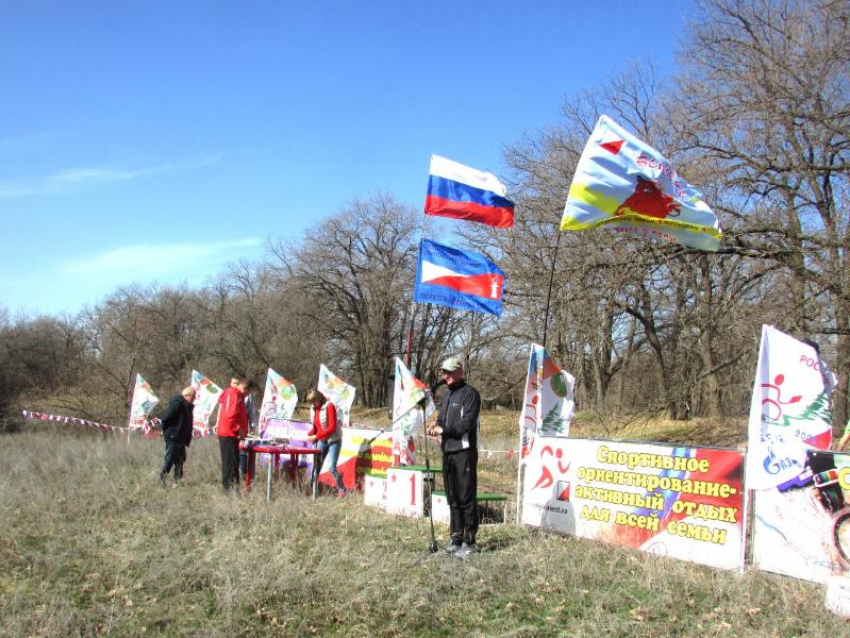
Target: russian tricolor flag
[[459, 279], [460, 192]]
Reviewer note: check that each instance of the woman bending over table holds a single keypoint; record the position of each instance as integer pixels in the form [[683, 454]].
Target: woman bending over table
[[326, 433]]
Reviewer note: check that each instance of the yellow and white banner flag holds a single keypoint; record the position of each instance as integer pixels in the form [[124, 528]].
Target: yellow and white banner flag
[[624, 184]]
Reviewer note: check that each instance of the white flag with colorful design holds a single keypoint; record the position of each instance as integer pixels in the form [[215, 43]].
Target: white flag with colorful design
[[623, 184], [408, 391], [337, 392], [205, 401], [279, 399], [549, 399], [143, 402], [789, 412]]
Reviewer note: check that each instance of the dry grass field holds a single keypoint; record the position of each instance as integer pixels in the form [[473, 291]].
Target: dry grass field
[[91, 545]]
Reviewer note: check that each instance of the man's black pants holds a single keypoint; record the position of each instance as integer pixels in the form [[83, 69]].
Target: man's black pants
[[175, 455], [229, 448], [460, 476]]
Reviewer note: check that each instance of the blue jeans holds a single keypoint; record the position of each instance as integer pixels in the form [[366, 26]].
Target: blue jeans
[[331, 452]]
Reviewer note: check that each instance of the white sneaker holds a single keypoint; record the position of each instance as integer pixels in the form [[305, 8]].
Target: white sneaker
[[465, 551]]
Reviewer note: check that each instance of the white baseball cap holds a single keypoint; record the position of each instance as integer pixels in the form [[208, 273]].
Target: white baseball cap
[[451, 364]]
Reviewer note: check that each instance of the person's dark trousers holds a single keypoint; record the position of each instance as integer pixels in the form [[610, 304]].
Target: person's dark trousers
[[175, 454], [229, 448], [243, 463], [460, 476]]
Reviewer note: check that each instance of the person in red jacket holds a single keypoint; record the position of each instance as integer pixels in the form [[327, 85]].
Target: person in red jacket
[[326, 433], [232, 426]]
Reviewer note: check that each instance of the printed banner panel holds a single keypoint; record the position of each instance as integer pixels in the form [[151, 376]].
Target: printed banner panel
[[682, 502], [790, 412], [206, 401], [802, 527], [285, 429], [142, 404], [279, 399], [362, 450]]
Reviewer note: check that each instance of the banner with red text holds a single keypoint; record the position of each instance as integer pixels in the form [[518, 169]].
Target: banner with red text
[[682, 502], [362, 451], [206, 401], [802, 527], [143, 402]]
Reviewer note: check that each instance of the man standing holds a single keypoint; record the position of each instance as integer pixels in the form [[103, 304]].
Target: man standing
[[457, 425], [249, 408], [177, 432], [232, 426]]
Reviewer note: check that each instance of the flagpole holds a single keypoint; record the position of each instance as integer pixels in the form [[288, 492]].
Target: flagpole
[[549, 294], [408, 357]]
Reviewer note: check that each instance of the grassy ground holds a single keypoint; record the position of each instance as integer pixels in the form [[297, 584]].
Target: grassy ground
[[90, 545]]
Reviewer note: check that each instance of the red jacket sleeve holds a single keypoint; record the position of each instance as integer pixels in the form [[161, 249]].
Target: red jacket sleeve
[[323, 433]]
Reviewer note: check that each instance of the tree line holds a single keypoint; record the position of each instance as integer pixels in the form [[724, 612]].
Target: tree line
[[757, 115]]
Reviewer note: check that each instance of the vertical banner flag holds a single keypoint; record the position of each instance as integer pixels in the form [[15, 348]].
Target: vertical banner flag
[[205, 401], [144, 400], [458, 279], [626, 185], [789, 413], [279, 399], [337, 392], [549, 399], [460, 192], [407, 416]]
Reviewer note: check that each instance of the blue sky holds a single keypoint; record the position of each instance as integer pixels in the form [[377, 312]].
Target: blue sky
[[152, 142]]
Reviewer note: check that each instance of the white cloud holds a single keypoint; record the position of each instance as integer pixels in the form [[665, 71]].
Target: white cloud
[[150, 261], [76, 178]]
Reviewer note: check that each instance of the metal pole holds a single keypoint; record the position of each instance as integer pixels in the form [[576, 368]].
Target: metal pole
[[549, 294]]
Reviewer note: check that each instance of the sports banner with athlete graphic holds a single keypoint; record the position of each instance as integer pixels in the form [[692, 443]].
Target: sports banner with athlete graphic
[[279, 399], [801, 528], [206, 401], [623, 184], [549, 402], [681, 502], [408, 391], [143, 402], [790, 412]]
